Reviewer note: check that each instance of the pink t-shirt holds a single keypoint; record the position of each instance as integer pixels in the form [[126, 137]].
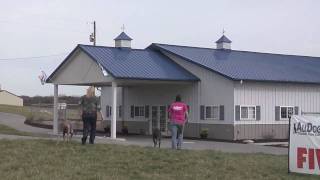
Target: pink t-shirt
[[177, 112]]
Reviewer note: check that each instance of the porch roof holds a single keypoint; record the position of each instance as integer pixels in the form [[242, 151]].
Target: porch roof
[[136, 64]]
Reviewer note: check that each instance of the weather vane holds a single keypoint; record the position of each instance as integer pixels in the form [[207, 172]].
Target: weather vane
[[122, 28], [223, 31]]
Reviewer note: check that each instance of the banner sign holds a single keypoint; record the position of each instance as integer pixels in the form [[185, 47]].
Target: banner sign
[[304, 145]]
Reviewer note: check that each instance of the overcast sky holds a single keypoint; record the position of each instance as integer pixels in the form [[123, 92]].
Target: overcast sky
[[41, 27]]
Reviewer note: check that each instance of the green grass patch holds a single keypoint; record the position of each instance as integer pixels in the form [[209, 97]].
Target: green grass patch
[[45, 159], [20, 110], [8, 130]]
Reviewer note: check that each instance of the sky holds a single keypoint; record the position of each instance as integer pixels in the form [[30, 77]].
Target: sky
[[50, 30]]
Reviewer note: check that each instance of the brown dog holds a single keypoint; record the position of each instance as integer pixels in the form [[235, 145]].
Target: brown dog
[[67, 131]]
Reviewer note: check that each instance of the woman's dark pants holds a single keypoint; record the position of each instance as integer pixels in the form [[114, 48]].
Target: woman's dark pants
[[89, 124]]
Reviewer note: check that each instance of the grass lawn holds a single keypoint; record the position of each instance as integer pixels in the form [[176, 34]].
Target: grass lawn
[[8, 130], [21, 110], [45, 159], [11, 131]]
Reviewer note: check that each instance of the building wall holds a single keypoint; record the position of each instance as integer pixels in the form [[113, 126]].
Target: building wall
[[106, 99], [213, 89], [268, 96], [146, 95], [7, 98]]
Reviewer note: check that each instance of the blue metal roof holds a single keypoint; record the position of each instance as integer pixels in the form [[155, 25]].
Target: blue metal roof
[[243, 65], [123, 36], [137, 63], [224, 39]]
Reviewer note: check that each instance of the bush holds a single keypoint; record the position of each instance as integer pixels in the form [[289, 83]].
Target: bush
[[204, 133]]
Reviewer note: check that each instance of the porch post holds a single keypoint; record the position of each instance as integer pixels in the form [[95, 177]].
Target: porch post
[[55, 110], [114, 111]]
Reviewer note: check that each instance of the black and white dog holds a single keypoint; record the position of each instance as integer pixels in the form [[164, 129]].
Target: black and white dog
[[156, 136]]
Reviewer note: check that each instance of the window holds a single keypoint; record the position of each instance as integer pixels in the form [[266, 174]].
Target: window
[[139, 111], [248, 112], [108, 111], [286, 112], [212, 112]]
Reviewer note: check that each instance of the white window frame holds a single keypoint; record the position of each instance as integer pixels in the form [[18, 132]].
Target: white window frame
[[211, 106], [287, 118], [248, 119], [139, 115]]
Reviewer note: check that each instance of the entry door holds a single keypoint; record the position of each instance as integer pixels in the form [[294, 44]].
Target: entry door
[[159, 117]]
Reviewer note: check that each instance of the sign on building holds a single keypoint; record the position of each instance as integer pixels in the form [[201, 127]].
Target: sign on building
[[304, 145]]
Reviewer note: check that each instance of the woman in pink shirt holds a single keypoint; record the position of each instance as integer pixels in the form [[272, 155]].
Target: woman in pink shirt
[[178, 113]]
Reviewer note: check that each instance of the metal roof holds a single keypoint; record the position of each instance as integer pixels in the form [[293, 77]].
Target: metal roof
[[123, 36], [137, 64], [224, 39], [244, 65]]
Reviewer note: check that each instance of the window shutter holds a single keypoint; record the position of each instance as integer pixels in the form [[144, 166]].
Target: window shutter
[[120, 111], [107, 111], [110, 111], [237, 112], [132, 112], [221, 112], [168, 114], [202, 112], [277, 113], [296, 110], [258, 113], [146, 111]]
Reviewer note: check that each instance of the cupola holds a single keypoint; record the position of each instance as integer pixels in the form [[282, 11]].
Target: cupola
[[223, 43], [122, 41]]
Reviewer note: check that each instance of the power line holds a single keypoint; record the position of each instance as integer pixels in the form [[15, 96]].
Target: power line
[[32, 57]]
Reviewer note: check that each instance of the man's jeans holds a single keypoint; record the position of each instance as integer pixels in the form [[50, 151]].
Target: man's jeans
[[176, 135]]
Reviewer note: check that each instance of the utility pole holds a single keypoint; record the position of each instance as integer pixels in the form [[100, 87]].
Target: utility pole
[[93, 35]]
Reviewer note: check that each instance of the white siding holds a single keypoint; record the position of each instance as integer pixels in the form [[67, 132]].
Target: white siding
[[106, 99], [156, 95], [269, 95], [123, 43], [80, 69], [213, 89]]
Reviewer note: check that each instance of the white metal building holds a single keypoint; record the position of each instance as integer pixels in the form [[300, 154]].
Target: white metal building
[[234, 94]]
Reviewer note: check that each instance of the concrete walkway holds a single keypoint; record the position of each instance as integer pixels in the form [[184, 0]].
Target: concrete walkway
[[17, 122]]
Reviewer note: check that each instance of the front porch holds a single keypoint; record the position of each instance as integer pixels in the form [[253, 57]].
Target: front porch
[[139, 105]]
